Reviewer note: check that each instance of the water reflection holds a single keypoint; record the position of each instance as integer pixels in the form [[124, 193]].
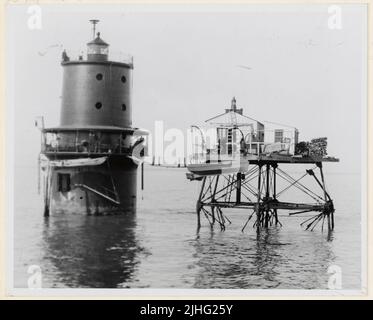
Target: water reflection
[[89, 251], [243, 259], [267, 257], [79, 251], [273, 258]]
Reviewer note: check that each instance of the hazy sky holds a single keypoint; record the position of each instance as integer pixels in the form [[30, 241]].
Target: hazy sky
[[186, 67]]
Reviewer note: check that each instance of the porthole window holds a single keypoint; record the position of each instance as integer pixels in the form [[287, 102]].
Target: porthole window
[[98, 105], [124, 107], [99, 76], [123, 79]]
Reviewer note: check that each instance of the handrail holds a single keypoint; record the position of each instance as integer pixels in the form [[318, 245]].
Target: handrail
[[91, 149], [81, 185], [109, 191]]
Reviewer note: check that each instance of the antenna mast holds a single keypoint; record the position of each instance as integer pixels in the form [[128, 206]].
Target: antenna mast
[[94, 22]]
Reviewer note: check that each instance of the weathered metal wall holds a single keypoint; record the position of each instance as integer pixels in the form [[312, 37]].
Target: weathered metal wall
[[97, 93], [119, 177]]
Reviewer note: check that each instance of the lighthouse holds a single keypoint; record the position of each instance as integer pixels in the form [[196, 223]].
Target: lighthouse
[[89, 162]]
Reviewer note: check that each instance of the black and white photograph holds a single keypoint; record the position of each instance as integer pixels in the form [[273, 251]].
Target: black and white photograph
[[186, 149]]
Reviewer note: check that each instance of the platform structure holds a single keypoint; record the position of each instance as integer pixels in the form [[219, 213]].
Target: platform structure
[[256, 189], [253, 175]]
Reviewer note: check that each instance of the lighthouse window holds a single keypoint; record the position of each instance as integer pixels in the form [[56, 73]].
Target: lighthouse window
[[123, 79], [99, 76], [98, 105], [124, 107]]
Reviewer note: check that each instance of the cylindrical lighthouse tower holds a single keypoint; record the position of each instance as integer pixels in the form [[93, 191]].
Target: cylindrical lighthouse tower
[[96, 91], [92, 156]]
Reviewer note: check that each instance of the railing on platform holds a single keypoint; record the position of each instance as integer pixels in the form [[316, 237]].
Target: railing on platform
[[100, 149], [115, 56], [88, 142]]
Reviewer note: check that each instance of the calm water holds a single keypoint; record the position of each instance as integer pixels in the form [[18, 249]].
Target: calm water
[[159, 247]]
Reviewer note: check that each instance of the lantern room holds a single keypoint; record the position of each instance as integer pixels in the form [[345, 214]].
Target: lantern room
[[97, 49]]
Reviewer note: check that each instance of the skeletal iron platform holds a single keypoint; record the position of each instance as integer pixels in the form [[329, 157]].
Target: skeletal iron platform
[[254, 187]]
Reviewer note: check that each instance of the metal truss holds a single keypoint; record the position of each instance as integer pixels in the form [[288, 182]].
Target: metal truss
[[256, 190]]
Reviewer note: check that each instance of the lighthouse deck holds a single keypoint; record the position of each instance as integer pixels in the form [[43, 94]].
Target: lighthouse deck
[[78, 154], [95, 141]]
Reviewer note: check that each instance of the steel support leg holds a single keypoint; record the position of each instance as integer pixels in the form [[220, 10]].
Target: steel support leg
[[275, 192], [199, 203], [257, 208]]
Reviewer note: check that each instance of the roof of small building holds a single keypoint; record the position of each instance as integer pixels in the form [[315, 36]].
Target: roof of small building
[[231, 118]]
